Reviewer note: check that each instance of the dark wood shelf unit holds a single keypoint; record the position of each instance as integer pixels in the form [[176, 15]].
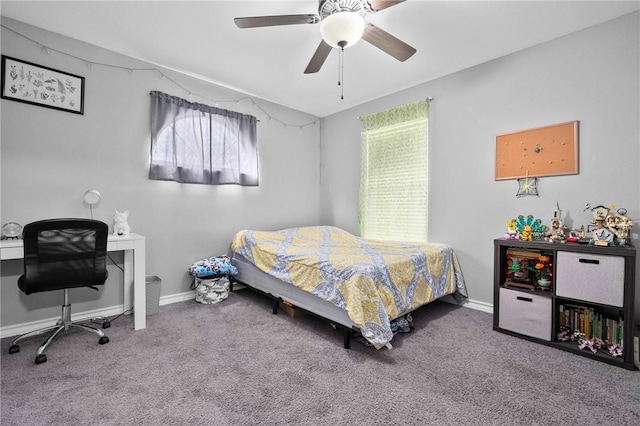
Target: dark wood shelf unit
[[523, 320]]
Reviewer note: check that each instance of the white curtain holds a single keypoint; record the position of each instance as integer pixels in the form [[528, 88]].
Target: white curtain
[[197, 143]]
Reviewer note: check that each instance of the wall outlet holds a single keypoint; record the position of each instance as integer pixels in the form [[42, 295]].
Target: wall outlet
[[634, 235]]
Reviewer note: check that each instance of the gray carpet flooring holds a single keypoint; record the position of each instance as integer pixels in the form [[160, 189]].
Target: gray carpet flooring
[[237, 364]]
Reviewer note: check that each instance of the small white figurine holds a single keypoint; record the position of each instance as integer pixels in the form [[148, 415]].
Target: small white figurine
[[121, 227]]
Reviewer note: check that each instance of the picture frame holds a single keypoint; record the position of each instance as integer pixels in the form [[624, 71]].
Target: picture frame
[[543, 151], [35, 84]]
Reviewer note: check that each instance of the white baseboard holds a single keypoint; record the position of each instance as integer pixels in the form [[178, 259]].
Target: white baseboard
[[18, 329], [175, 298], [472, 304]]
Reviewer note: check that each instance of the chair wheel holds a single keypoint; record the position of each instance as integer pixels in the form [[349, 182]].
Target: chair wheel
[[13, 349], [41, 358], [103, 340], [106, 324]]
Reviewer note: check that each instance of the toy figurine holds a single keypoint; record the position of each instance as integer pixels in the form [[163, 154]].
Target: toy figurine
[[556, 233], [619, 224], [512, 232], [601, 236], [527, 233], [529, 228], [612, 226]]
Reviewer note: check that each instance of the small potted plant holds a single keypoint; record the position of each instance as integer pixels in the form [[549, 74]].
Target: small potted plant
[[543, 271]]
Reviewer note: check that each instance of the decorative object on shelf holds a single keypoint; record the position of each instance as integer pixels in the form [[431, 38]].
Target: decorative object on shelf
[[573, 235], [615, 350], [612, 226], [578, 236], [11, 230], [545, 283], [517, 273], [594, 345], [512, 232], [618, 222], [601, 235], [34, 84], [524, 268], [544, 272], [121, 226], [529, 269], [529, 229], [527, 186], [556, 234]]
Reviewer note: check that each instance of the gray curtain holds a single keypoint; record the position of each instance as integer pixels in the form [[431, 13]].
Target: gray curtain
[[197, 143]]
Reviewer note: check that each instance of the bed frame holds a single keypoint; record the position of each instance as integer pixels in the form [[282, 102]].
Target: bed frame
[[279, 291]]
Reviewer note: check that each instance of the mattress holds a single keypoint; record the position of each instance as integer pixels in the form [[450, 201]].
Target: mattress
[[373, 281], [249, 274]]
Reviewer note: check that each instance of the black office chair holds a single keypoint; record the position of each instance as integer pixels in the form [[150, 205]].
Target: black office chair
[[60, 254]]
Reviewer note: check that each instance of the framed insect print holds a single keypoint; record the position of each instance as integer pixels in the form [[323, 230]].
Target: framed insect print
[[38, 85]]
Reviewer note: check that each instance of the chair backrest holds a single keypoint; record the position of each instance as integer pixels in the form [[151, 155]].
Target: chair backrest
[[64, 253]]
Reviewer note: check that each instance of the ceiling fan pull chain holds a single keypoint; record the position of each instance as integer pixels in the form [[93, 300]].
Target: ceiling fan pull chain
[[341, 71], [340, 66]]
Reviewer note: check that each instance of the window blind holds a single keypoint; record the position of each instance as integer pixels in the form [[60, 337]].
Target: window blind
[[394, 174]]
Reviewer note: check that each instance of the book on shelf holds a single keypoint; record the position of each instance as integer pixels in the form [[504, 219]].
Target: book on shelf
[[592, 323]]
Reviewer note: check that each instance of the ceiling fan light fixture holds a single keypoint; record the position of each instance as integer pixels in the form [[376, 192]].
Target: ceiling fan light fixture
[[342, 29]]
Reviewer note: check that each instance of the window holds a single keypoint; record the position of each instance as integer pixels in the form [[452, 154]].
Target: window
[[196, 143], [394, 174]]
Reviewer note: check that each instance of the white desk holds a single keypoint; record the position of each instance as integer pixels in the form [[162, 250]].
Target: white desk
[[133, 246]]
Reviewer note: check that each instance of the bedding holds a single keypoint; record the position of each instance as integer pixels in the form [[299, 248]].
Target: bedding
[[374, 281]]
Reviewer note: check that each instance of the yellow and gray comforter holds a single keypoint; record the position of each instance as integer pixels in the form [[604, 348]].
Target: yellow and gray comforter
[[375, 281]]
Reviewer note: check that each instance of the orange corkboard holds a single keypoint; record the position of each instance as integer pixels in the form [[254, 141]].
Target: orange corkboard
[[545, 151]]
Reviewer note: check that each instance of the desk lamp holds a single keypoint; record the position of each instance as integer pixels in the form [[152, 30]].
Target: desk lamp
[[91, 198]]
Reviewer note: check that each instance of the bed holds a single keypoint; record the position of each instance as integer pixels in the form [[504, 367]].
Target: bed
[[357, 284]]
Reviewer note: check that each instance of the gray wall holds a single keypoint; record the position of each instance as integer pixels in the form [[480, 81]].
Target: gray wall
[[50, 158], [591, 76]]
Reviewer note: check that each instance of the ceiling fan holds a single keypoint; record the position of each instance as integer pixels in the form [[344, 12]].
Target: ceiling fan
[[341, 25]]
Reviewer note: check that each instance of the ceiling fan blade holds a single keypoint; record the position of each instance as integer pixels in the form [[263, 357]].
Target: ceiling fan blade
[[318, 58], [388, 43], [378, 5], [270, 21]]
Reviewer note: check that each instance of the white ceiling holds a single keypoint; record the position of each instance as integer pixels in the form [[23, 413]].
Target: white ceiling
[[200, 38]]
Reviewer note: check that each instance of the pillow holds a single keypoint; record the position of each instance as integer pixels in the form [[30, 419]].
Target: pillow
[[217, 265]]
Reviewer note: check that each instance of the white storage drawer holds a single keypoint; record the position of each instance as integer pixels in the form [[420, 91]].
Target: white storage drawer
[[524, 313], [594, 278]]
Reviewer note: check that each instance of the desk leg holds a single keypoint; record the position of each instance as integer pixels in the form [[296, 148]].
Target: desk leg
[[135, 285], [128, 279], [140, 287]]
